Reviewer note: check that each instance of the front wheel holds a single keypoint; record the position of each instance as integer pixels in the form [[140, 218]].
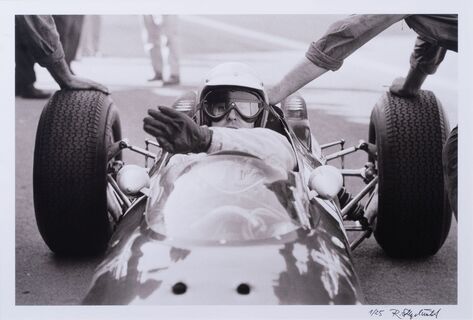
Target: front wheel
[[413, 213], [75, 130], [450, 168]]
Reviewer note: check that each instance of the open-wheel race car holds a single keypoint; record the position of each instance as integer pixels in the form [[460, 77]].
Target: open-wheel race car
[[228, 227]]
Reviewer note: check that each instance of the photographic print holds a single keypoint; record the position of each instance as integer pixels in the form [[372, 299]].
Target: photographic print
[[237, 161]]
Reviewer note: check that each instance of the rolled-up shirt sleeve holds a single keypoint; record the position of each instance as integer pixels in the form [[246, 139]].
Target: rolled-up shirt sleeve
[[346, 36], [426, 56], [41, 37]]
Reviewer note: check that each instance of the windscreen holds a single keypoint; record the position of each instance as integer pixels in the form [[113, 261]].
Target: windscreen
[[223, 198]]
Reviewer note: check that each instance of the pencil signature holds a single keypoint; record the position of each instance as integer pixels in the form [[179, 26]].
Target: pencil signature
[[406, 313]]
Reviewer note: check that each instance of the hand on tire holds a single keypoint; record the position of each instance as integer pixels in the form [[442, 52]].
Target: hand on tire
[[398, 88], [176, 132], [77, 83]]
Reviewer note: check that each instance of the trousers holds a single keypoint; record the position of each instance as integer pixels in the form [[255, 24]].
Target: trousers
[[159, 30]]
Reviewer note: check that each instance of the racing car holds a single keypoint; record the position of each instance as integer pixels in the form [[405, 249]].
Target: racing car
[[229, 228]]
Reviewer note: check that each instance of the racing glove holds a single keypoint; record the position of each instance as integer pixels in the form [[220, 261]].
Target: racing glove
[[176, 132]]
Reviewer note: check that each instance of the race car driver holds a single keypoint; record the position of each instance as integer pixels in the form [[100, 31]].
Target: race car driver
[[233, 98]]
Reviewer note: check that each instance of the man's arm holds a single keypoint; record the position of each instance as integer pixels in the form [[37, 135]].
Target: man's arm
[[341, 39], [41, 37], [424, 60], [66, 80], [302, 73], [176, 132], [43, 42]]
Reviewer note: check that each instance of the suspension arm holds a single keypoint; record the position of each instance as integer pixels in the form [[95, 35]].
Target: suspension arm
[[363, 145], [118, 146], [369, 187]]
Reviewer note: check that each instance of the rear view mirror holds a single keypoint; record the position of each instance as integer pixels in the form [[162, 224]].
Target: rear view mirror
[[187, 103], [131, 179], [327, 181]]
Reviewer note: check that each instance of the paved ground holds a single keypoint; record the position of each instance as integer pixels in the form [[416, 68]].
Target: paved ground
[[340, 104]]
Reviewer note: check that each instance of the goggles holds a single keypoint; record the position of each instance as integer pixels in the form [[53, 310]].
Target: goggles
[[217, 105]]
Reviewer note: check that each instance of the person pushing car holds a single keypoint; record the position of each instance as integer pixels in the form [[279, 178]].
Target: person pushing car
[[38, 41], [436, 35]]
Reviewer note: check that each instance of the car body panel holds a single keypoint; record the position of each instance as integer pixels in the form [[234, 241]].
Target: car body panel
[[310, 264], [302, 267]]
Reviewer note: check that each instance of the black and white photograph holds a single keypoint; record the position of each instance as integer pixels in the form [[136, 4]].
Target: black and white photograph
[[214, 163]]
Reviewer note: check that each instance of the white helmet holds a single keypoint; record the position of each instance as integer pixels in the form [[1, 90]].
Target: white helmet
[[233, 80]]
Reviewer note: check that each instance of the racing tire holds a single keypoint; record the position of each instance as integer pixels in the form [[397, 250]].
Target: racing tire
[[450, 169], [75, 130], [413, 217]]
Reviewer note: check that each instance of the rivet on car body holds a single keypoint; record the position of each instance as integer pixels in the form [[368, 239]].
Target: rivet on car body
[[243, 288], [179, 288]]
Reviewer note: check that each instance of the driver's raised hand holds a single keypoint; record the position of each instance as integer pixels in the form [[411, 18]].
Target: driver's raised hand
[[176, 132]]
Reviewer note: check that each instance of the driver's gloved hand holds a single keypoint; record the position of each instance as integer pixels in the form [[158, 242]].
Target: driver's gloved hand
[[176, 132]]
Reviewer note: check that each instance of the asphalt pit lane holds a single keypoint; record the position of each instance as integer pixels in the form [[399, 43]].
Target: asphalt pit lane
[[179, 288], [243, 289]]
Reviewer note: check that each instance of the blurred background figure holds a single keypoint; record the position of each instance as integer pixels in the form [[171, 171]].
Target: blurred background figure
[[89, 45], [161, 35], [69, 28], [25, 76]]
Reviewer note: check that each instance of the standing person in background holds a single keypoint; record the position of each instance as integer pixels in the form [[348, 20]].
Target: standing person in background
[[25, 76], [158, 27], [90, 39], [37, 40], [69, 28]]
